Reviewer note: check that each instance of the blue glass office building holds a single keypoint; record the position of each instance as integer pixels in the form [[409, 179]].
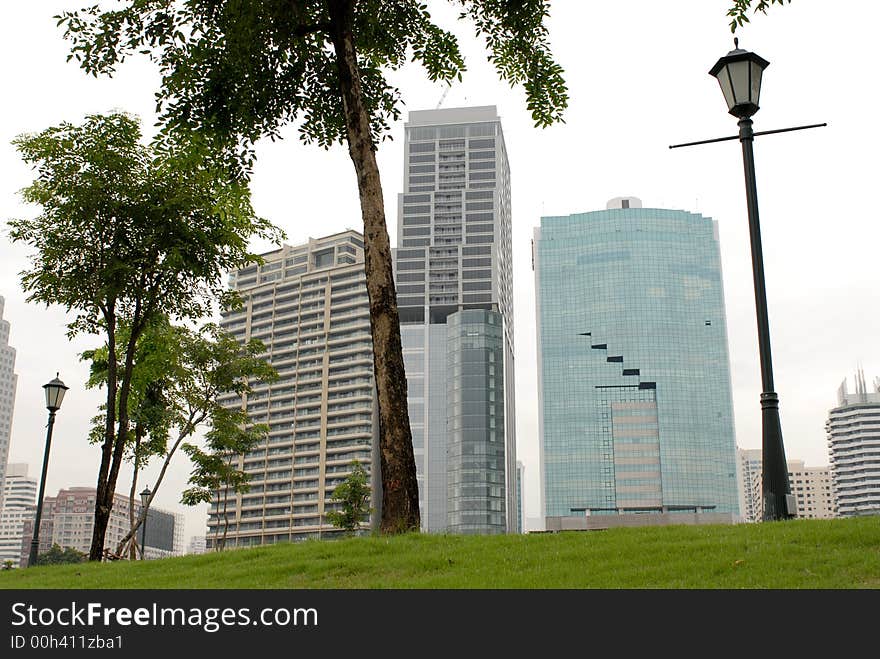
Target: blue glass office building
[[635, 401]]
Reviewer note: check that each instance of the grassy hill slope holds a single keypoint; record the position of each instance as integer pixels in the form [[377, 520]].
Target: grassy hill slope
[[837, 554]]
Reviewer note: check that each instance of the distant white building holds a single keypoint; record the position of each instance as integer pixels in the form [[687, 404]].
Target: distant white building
[[853, 430], [8, 381], [748, 466], [19, 505], [197, 545], [811, 486]]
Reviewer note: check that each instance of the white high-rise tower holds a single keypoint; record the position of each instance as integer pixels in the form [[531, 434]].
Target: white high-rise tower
[[453, 275], [853, 429], [8, 380]]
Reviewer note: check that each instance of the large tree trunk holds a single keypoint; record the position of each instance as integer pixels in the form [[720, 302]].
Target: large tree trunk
[[107, 477], [102, 512], [400, 491]]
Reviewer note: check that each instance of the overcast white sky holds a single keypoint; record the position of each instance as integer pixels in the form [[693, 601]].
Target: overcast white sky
[[638, 81]]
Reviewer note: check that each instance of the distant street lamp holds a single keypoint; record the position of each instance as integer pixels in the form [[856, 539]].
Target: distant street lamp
[[145, 502], [739, 74], [54, 395]]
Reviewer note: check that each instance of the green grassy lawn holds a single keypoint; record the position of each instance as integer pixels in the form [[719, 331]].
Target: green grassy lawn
[[838, 554]]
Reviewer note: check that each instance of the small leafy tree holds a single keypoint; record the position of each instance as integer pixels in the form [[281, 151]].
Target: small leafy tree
[[128, 232], [218, 470], [354, 495], [58, 556]]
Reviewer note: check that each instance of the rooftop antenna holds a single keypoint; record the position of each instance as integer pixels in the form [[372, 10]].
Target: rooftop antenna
[[861, 389]]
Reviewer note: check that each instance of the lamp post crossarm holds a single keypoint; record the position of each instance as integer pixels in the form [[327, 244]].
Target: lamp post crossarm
[[736, 137]]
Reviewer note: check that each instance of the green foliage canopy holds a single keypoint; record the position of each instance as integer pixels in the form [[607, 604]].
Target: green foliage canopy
[[130, 230], [248, 67]]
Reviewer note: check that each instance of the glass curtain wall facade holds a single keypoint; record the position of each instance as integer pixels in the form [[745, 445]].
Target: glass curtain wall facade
[[453, 275], [308, 304], [635, 403]]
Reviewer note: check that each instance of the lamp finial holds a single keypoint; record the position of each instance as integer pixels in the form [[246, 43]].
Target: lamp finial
[[736, 43]]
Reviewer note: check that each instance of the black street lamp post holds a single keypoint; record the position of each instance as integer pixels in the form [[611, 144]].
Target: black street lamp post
[[145, 502], [739, 74], [54, 395]]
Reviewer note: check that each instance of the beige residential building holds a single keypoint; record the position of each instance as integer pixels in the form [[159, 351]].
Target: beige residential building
[[308, 304], [812, 486]]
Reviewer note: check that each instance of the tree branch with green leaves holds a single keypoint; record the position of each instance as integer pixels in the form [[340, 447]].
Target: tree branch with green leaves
[[738, 13]]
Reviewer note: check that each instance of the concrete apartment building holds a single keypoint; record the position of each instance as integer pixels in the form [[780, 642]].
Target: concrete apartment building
[[814, 490], [8, 382], [454, 281], [68, 520], [812, 486], [19, 505], [635, 407], [308, 304], [853, 431]]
